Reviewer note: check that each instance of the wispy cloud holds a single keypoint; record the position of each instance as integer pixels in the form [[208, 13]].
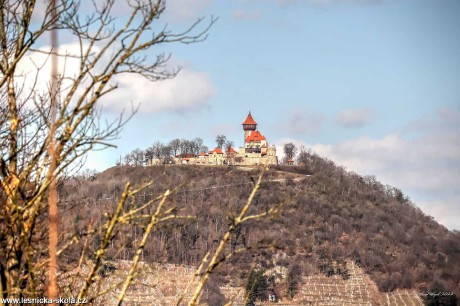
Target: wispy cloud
[[302, 122], [328, 2], [246, 15], [355, 118], [314, 2], [187, 10]]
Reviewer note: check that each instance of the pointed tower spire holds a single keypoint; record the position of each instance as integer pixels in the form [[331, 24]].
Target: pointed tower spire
[[249, 125]]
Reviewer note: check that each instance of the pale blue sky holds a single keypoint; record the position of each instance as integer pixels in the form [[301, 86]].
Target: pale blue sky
[[373, 85]]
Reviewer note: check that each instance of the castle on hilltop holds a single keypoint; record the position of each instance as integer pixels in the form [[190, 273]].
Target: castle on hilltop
[[255, 151]]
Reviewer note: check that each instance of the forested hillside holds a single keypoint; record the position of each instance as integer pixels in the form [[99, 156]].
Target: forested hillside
[[329, 216]]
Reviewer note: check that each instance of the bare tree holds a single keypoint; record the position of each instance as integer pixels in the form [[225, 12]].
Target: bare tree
[[128, 159], [175, 146], [138, 157], [197, 145], [229, 144], [166, 153], [157, 149], [149, 156], [203, 148], [290, 150], [304, 155], [106, 48], [184, 146], [221, 140]]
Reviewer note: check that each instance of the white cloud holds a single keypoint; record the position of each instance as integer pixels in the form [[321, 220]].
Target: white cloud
[[189, 91], [445, 210], [405, 163], [354, 118], [34, 70]]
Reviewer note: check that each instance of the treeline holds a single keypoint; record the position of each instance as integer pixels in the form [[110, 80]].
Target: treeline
[[165, 152], [330, 217]]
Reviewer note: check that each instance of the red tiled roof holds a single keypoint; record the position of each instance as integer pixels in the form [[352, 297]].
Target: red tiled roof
[[231, 150], [255, 136], [184, 155], [249, 120], [217, 150], [203, 154]]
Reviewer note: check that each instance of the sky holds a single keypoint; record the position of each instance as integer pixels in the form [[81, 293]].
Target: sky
[[371, 84]]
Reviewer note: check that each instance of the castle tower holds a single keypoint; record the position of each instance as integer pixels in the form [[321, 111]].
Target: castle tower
[[249, 125]]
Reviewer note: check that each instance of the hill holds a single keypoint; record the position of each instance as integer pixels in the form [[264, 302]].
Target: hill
[[331, 219]]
